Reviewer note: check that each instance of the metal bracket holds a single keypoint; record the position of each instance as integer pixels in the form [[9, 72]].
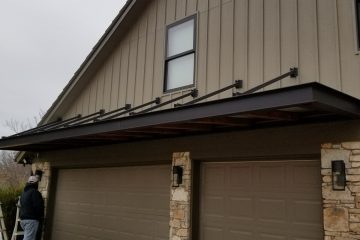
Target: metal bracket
[[194, 93], [294, 72]]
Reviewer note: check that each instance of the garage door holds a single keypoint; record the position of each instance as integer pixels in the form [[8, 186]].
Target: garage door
[[261, 201], [112, 203]]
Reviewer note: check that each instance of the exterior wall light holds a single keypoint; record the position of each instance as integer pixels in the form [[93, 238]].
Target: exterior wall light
[[338, 175], [177, 172], [39, 174]]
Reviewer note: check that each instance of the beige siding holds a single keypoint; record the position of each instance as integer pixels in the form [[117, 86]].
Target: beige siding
[[272, 44], [241, 40], [213, 49], [349, 63], [308, 51], [202, 46], [150, 54], [289, 38], [115, 81], [329, 47], [236, 39], [227, 46], [255, 45], [108, 83], [124, 66]]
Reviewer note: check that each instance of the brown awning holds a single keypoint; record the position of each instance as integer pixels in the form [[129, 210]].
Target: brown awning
[[299, 104]]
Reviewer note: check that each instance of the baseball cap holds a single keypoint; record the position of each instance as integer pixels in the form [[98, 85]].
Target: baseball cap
[[33, 179]]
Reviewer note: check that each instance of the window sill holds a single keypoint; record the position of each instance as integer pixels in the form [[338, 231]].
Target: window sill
[[179, 89]]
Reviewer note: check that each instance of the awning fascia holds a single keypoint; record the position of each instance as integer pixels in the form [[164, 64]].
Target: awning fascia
[[318, 96]]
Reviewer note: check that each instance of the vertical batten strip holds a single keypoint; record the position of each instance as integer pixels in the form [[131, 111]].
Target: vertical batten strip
[[116, 76], [227, 47], [202, 49]]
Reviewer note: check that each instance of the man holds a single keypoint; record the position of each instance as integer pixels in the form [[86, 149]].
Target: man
[[32, 208]]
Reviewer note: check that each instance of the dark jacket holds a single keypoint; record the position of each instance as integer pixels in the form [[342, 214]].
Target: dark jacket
[[31, 203]]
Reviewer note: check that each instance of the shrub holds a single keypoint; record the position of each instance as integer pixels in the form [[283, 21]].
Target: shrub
[[9, 198]]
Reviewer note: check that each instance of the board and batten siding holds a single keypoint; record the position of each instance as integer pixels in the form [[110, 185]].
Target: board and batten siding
[[252, 40]]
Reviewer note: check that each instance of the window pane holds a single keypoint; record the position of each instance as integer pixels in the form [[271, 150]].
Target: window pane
[[181, 38], [180, 72]]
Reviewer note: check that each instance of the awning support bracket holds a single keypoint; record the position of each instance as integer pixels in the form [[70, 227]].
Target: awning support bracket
[[193, 93], [238, 84], [77, 121], [155, 101], [293, 73]]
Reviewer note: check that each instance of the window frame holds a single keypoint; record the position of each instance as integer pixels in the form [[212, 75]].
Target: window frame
[[179, 55]]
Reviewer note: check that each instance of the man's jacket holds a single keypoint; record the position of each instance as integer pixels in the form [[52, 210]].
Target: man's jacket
[[32, 203]]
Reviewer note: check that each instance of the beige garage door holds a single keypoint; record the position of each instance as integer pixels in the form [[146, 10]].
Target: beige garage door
[[261, 201], [112, 203]]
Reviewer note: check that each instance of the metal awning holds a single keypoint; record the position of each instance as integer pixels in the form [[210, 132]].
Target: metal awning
[[299, 104]]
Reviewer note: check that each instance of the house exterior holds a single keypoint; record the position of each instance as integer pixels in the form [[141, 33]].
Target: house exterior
[[155, 137]]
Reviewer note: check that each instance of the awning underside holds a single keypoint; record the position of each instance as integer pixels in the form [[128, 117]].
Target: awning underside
[[300, 104]]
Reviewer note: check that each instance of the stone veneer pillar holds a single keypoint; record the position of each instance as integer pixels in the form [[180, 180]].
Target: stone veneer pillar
[[45, 179], [341, 209], [44, 183], [180, 200]]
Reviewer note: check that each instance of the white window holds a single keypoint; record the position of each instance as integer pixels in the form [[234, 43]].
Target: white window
[[180, 54]]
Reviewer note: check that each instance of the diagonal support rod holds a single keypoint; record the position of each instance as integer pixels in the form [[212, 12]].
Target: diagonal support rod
[[43, 126], [237, 84], [193, 93], [293, 73], [97, 118], [75, 121], [156, 101]]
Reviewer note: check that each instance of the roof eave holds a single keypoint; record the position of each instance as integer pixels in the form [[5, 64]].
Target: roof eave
[[89, 59], [85, 65], [317, 97]]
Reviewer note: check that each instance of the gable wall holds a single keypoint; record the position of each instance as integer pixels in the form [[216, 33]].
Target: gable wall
[[253, 40]]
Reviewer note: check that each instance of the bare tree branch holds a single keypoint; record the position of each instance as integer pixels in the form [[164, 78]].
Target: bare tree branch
[[12, 174], [16, 126]]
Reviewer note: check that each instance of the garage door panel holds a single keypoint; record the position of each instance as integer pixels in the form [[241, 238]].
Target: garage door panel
[[213, 233], [303, 174], [215, 204], [307, 212], [112, 203], [270, 176], [271, 237], [240, 207], [243, 235], [271, 210], [240, 177], [261, 200]]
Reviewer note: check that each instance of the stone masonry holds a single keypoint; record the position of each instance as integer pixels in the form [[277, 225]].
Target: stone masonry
[[44, 183], [341, 209], [180, 200], [45, 179]]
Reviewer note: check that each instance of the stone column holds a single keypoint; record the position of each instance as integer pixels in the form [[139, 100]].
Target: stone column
[[180, 200], [43, 184], [341, 208], [45, 179]]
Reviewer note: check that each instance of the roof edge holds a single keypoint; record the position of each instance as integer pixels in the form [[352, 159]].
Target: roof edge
[[313, 96], [84, 66], [89, 59]]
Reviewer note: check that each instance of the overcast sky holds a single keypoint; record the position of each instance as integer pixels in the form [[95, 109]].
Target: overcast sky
[[42, 44]]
